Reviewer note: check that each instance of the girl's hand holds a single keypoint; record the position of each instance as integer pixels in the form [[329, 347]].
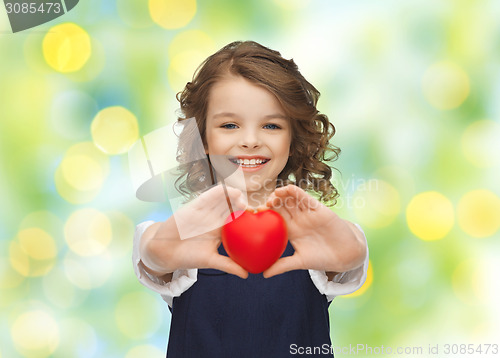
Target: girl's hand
[[321, 239], [190, 238]]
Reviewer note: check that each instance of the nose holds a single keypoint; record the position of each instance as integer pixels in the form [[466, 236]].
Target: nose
[[250, 139]]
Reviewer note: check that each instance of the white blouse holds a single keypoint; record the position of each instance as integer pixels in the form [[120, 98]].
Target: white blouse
[[342, 284]]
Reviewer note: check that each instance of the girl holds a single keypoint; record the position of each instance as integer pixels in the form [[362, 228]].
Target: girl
[[255, 114]]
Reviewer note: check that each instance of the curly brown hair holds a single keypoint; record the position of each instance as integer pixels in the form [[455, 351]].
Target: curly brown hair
[[311, 130]]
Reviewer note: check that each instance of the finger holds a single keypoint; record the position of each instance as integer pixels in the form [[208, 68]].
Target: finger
[[284, 212], [303, 199], [270, 200], [233, 193], [286, 206], [292, 190], [237, 199], [233, 201], [224, 263], [227, 214], [281, 199], [276, 203], [280, 191], [284, 264], [213, 196], [289, 189], [261, 208]]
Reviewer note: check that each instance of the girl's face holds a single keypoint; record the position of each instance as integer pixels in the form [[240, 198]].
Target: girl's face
[[247, 132]]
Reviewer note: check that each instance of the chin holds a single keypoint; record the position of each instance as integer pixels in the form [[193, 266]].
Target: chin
[[236, 183]]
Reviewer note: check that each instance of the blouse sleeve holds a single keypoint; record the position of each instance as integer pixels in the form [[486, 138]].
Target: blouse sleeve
[[344, 282], [181, 279]]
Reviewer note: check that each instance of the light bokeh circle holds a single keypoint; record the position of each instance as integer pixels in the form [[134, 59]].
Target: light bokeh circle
[[90, 272], [430, 215], [185, 52], [114, 130], [33, 252], [446, 85], [88, 232], [35, 334], [479, 213], [67, 47], [81, 173], [45, 220], [37, 243], [376, 203], [172, 14], [71, 194]]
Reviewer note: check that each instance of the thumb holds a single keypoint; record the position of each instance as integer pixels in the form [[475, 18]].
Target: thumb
[[284, 264], [224, 263]]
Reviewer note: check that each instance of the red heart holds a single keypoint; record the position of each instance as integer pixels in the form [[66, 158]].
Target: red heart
[[255, 240]]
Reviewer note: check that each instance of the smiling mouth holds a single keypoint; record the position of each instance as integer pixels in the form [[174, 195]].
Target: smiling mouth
[[249, 163]]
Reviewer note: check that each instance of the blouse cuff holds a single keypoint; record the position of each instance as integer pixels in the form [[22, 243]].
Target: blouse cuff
[[342, 283], [181, 281]]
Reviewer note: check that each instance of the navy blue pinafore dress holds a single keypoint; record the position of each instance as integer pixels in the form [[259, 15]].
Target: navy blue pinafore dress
[[222, 315]]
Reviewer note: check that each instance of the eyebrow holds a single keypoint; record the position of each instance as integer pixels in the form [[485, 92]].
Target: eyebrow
[[233, 115]]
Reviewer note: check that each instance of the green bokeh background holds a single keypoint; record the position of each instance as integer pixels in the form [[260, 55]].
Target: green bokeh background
[[382, 70]]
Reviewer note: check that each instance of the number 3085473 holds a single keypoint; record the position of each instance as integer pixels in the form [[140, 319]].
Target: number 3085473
[[33, 8]]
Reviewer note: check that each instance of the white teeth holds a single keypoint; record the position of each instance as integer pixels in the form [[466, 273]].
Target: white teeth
[[252, 161]]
